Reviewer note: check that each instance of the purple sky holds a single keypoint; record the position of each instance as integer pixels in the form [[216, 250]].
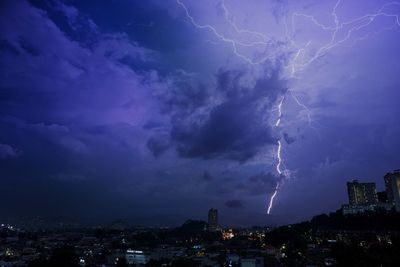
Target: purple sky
[[156, 111]]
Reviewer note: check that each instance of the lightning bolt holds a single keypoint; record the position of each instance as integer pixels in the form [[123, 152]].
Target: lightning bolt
[[228, 18], [299, 60], [354, 25], [278, 184], [302, 106], [278, 121], [264, 40], [271, 201], [261, 39], [279, 158], [230, 41]]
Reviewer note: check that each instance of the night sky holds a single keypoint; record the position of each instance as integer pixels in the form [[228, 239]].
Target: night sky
[[156, 111]]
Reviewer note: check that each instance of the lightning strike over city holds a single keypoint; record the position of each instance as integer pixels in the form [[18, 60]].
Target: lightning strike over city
[[143, 133], [295, 64]]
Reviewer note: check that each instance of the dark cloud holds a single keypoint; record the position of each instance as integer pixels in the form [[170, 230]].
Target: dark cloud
[[235, 203], [288, 139], [158, 145], [6, 46], [180, 97], [28, 48], [7, 151], [229, 82], [244, 83], [185, 97], [236, 129], [221, 186], [152, 125], [233, 131], [262, 183], [67, 177], [207, 177]]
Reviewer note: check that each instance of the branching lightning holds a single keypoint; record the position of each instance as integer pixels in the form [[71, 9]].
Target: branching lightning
[[228, 18], [278, 121], [279, 158], [358, 24], [278, 183], [301, 56], [234, 43], [271, 201]]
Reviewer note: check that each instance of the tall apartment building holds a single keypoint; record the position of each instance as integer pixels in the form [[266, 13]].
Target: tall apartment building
[[361, 193], [392, 185], [213, 219]]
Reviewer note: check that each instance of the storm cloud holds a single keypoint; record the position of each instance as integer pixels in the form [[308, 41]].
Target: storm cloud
[[234, 203], [7, 151], [129, 107], [236, 128]]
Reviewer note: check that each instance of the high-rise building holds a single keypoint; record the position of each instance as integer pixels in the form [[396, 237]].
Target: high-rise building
[[392, 185], [382, 197], [361, 193], [362, 198], [213, 219]]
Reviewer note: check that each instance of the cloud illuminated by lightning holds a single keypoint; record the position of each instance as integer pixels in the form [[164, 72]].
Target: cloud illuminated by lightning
[[278, 121], [354, 25], [262, 40], [302, 56]]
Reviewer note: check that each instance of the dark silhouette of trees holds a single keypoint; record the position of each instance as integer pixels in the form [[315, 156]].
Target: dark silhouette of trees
[[122, 262], [64, 257]]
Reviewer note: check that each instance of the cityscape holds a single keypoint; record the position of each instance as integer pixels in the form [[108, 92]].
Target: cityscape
[[326, 240], [363, 197], [199, 133]]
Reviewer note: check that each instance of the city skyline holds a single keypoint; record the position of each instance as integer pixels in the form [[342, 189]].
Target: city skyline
[[157, 111]]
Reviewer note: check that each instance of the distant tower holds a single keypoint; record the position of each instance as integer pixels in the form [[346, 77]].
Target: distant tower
[[213, 219], [392, 185], [361, 193]]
